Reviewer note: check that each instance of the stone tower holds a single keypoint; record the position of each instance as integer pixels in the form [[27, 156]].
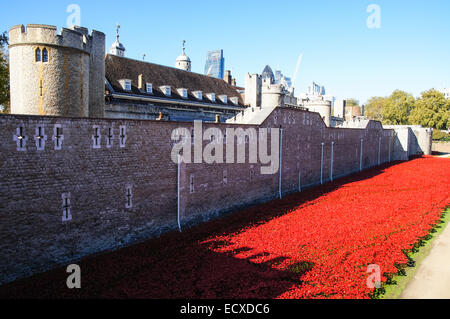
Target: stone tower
[[57, 74], [183, 62], [321, 106], [272, 94], [253, 85]]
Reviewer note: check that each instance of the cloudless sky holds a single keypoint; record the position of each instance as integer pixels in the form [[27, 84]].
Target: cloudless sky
[[411, 50]]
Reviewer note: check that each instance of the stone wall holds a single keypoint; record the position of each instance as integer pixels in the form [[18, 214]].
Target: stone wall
[[411, 140], [90, 185]]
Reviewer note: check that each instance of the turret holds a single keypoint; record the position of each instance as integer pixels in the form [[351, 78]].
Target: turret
[[183, 62], [272, 94], [53, 74]]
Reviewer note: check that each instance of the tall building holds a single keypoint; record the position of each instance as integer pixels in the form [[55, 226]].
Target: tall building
[[215, 64], [285, 81], [267, 74]]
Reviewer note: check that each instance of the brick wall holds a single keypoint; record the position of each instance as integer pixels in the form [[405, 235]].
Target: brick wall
[[126, 191]]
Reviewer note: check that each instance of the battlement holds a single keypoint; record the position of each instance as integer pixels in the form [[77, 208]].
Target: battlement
[[254, 76], [268, 88], [74, 37]]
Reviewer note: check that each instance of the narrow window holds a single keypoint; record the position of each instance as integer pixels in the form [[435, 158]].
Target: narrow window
[[129, 197], [192, 189], [41, 88], [38, 55], [44, 55], [225, 177]]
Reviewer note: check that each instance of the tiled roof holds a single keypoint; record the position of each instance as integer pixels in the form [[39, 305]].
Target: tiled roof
[[119, 68]]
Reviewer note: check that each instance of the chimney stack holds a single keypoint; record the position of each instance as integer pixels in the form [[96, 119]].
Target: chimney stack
[[227, 78], [141, 82]]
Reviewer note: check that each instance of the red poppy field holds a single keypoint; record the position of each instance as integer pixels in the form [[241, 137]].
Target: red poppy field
[[315, 244]]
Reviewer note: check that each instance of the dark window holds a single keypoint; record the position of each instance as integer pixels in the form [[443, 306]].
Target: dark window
[[38, 55], [44, 55]]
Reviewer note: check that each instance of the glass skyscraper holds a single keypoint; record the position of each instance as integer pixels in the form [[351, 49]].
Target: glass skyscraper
[[215, 64]]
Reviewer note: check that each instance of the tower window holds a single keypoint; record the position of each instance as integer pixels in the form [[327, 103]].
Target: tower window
[[38, 55], [44, 55]]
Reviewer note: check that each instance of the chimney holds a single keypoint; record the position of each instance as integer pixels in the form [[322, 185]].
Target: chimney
[[141, 82], [233, 82], [227, 77]]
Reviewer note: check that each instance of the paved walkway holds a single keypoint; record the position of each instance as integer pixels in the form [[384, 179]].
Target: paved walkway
[[432, 279]]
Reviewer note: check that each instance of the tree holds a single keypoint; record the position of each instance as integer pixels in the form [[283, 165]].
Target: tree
[[4, 74], [397, 108], [432, 110], [352, 102], [374, 108]]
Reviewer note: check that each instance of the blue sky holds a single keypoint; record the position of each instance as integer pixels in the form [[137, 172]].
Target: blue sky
[[411, 50]]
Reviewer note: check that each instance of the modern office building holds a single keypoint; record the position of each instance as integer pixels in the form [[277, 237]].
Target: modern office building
[[215, 64], [281, 79]]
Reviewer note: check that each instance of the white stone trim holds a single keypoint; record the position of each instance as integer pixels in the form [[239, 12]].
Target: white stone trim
[[40, 137], [123, 136], [110, 138], [96, 143], [20, 138], [60, 138]]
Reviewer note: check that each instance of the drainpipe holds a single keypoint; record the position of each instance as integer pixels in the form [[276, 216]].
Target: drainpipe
[[178, 192], [379, 151], [390, 141], [361, 156], [281, 164], [321, 166], [332, 160], [299, 181]]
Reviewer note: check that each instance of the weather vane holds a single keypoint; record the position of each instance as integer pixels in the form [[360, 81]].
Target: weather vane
[[117, 29]]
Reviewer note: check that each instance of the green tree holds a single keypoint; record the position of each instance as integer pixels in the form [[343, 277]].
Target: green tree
[[397, 109], [374, 108], [4, 74], [351, 102], [432, 110]]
